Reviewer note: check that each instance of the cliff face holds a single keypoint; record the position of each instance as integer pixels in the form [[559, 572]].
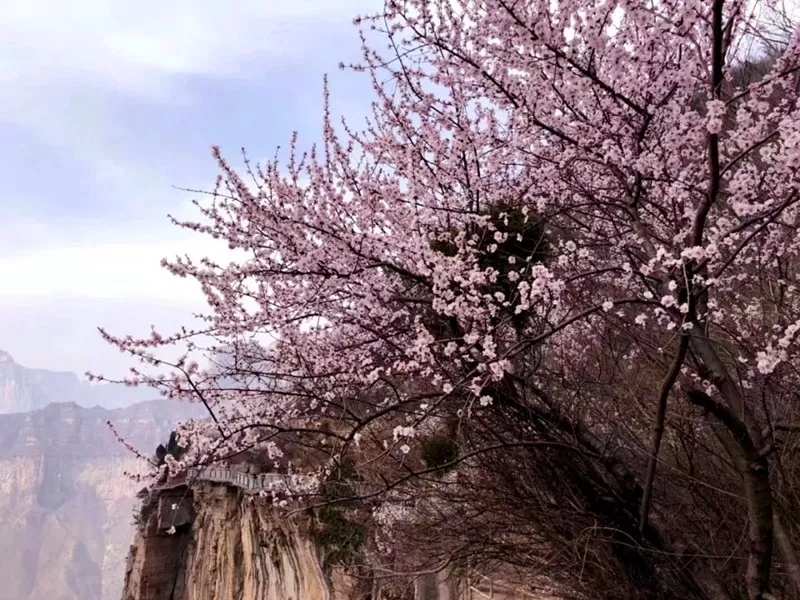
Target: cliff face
[[71, 551], [227, 547], [233, 549], [66, 507]]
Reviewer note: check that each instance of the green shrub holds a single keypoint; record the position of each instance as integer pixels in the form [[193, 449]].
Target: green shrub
[[339, 533], [526, 241], [342, 537]]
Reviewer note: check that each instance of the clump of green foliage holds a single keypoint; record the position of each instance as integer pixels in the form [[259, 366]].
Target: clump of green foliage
[[439, 450], [525, 238], [444, 246], [340, 533], [526, 243]]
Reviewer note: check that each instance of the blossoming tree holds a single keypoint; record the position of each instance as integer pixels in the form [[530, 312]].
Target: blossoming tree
[[565, 224]]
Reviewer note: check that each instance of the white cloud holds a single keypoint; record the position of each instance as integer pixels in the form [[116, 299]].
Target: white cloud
[[65, 66], [60, 332], [53, 299], [134, 45], [108, 271]]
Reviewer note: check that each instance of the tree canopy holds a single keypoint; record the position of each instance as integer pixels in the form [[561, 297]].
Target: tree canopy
[[562, 256]]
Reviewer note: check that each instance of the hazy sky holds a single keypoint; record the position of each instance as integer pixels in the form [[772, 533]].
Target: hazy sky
[[106, 105]]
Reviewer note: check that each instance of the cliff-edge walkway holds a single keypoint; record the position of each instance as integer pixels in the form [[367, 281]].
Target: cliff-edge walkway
[[251, 484]]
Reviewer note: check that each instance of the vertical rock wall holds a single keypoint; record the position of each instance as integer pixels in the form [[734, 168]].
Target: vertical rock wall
[[157, 559], [233, 550], [226, 547]]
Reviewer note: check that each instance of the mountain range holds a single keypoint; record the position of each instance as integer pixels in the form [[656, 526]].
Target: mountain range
[[24, 389], [66, 503]]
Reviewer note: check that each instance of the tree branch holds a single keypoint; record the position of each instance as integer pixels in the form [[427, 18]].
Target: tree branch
[[658, 430]]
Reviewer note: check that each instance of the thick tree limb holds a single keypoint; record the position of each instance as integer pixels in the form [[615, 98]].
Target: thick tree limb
[[755, 474], [658, 430]]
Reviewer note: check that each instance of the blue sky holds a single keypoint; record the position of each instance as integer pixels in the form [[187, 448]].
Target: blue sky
[[106, 106]]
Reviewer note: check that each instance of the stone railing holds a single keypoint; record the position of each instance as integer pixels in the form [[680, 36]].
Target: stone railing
[[251, 484]]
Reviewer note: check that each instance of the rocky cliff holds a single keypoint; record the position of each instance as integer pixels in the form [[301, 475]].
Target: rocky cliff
[[225, 546], [66, 508], [212, 541]]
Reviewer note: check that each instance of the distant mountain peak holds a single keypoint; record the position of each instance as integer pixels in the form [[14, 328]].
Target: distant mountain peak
[[24, 389]]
